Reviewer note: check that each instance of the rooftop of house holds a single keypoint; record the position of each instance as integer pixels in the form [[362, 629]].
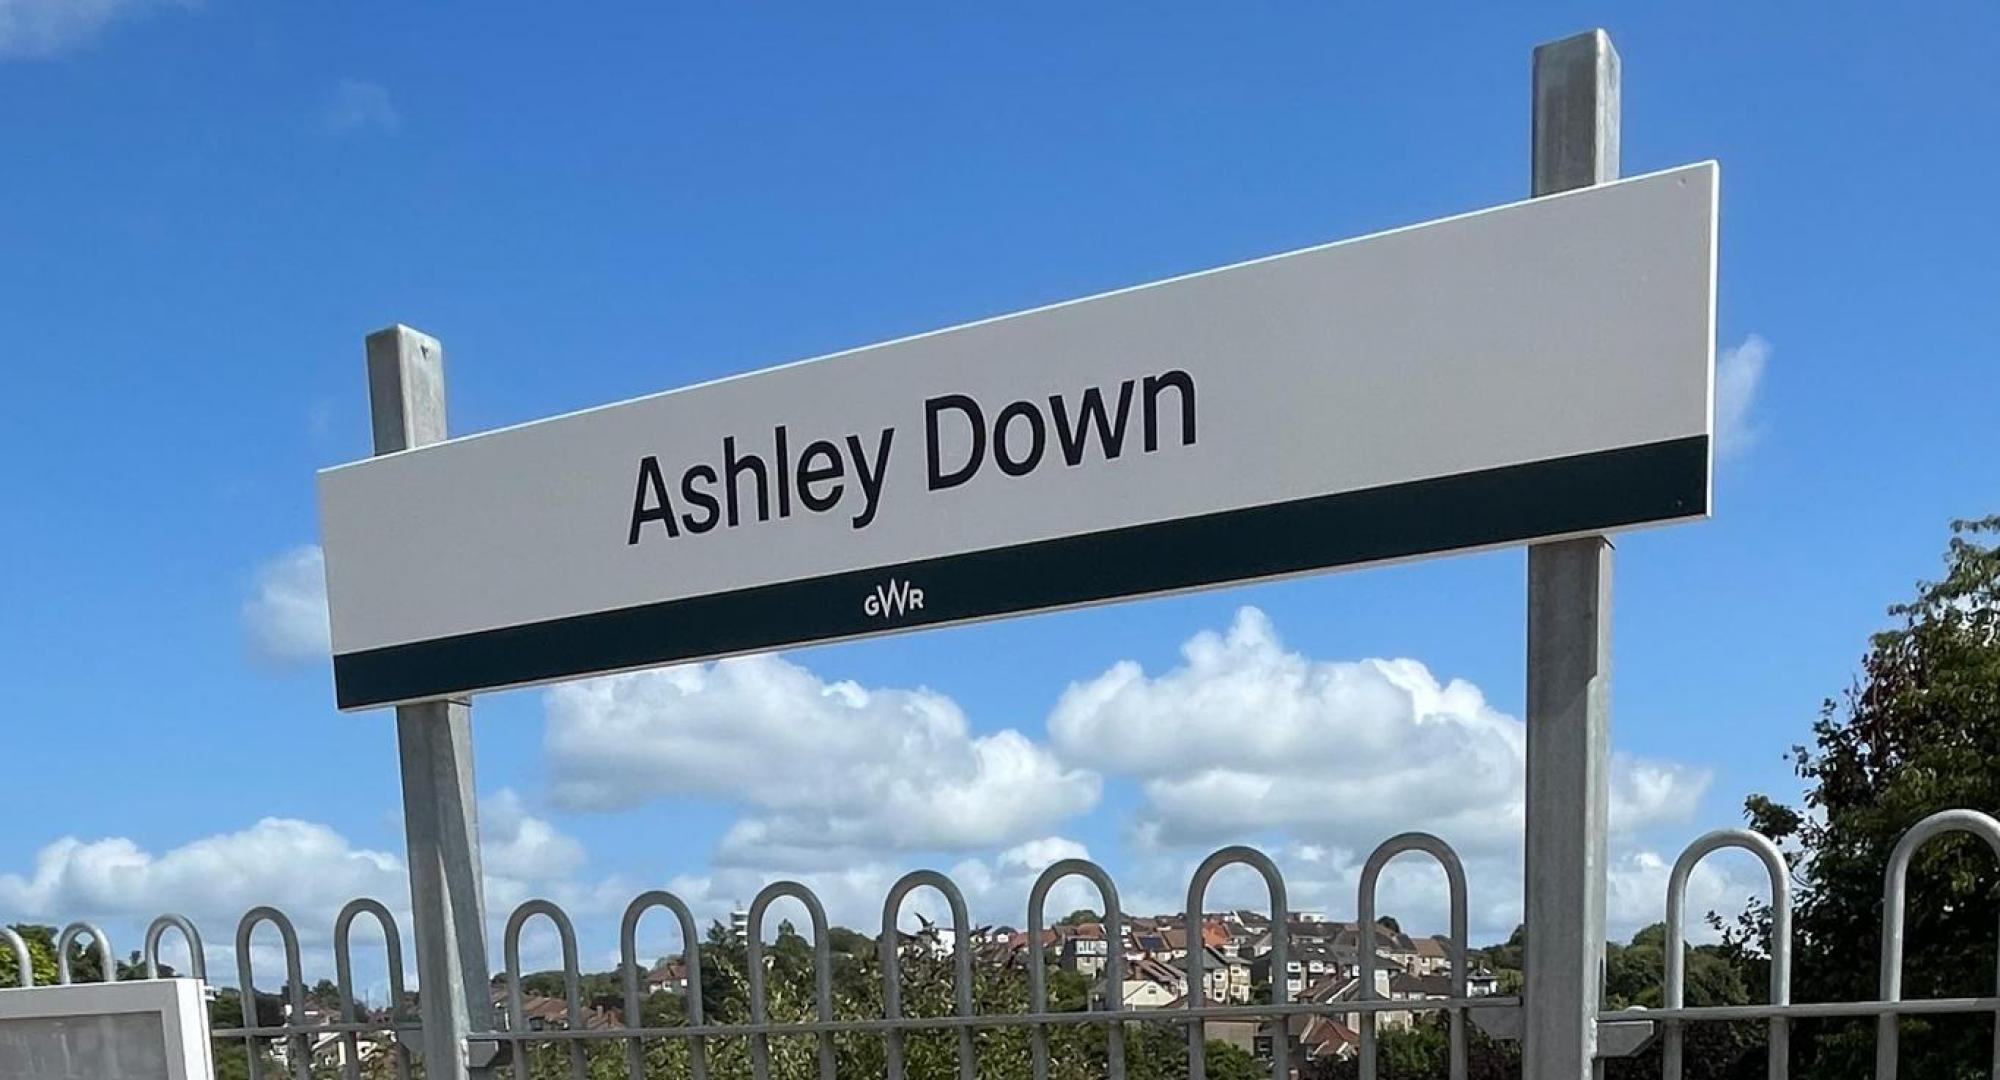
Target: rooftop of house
[[1147, 969], [1326, 1037], [1403, 984]]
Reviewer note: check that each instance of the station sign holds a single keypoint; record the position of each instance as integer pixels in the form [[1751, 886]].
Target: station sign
[[1529, 372]]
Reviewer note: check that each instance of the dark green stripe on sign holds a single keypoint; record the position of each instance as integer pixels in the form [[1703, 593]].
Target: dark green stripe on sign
[[1518, 503]]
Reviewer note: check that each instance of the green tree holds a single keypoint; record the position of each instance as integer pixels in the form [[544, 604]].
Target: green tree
[[41, 941], [1918, 732], [1230, 1062]]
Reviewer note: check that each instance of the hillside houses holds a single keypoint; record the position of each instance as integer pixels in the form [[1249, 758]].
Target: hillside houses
[[540, 1012], [1240, 965]]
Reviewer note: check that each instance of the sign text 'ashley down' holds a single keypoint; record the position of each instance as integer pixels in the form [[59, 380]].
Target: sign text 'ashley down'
[[773, 479]]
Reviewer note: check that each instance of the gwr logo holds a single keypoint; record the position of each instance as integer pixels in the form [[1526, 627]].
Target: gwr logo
[[894, 599]]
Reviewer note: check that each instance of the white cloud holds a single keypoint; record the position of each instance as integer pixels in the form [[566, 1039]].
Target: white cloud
[[285, 618], [1739, 372], [360, 105], [1321, 760], [1243, 740], [306, 869], [516, 844], [1636, 891], [830, 772], [42, 28], [1245, 737]]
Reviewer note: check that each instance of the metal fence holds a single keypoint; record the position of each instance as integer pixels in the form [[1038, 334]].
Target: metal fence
[[399, 1028]]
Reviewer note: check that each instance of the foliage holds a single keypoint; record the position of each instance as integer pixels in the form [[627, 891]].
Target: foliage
[[1918, 732], [41, 942], [928, 980]]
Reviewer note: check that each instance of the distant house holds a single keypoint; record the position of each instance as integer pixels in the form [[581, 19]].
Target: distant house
[[1150, 984], [1007, 947], [1314, 963], [1312, 930], [667, 977], [1399, 948], [1481, 982], [1327, 1039], [1086, 950], [1246, 929], [1223, 979], [1433, 956], [1407, 987], [1153, 944], [1227, 978], [1238, 939], [1308, 1039], [542, 1013], [331, 1051]]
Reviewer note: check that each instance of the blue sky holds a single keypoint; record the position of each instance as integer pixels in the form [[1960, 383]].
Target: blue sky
[[209, 204]]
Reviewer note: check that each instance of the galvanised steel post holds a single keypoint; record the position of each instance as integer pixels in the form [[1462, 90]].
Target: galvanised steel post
[[434, 743], [1569, 648]]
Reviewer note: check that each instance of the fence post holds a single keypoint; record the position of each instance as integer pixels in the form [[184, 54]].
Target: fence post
[[434, 744], [1569, 648]]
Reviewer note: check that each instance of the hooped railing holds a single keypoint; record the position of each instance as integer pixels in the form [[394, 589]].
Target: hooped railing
[[572, 975], [24, 960], [298, 1051], [343, 968], [1894, 902], [628, 955], [1274, 889], [892, 973], [106, 957], [1371, 876], [1038, 967], [1675, 989], [301, 1035], [191, 937], [760, 1042], [1889, 1005]]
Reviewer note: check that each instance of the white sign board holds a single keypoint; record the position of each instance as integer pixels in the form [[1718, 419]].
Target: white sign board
[[151, 1030], [1533, 371]]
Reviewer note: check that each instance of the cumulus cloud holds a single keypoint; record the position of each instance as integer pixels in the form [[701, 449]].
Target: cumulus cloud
[[44, 28], [1739, 372], [1636, 890], [1245, 736], [285, 620], [516, 844], [1242, 740], [306, 869], [360, 105], [828, 771]]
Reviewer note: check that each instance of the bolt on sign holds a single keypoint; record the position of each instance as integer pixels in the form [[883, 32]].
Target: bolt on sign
[[1524, 373]]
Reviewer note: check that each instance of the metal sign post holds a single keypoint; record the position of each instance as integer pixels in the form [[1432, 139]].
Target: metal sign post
[[1569, 648], [434, 743]]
